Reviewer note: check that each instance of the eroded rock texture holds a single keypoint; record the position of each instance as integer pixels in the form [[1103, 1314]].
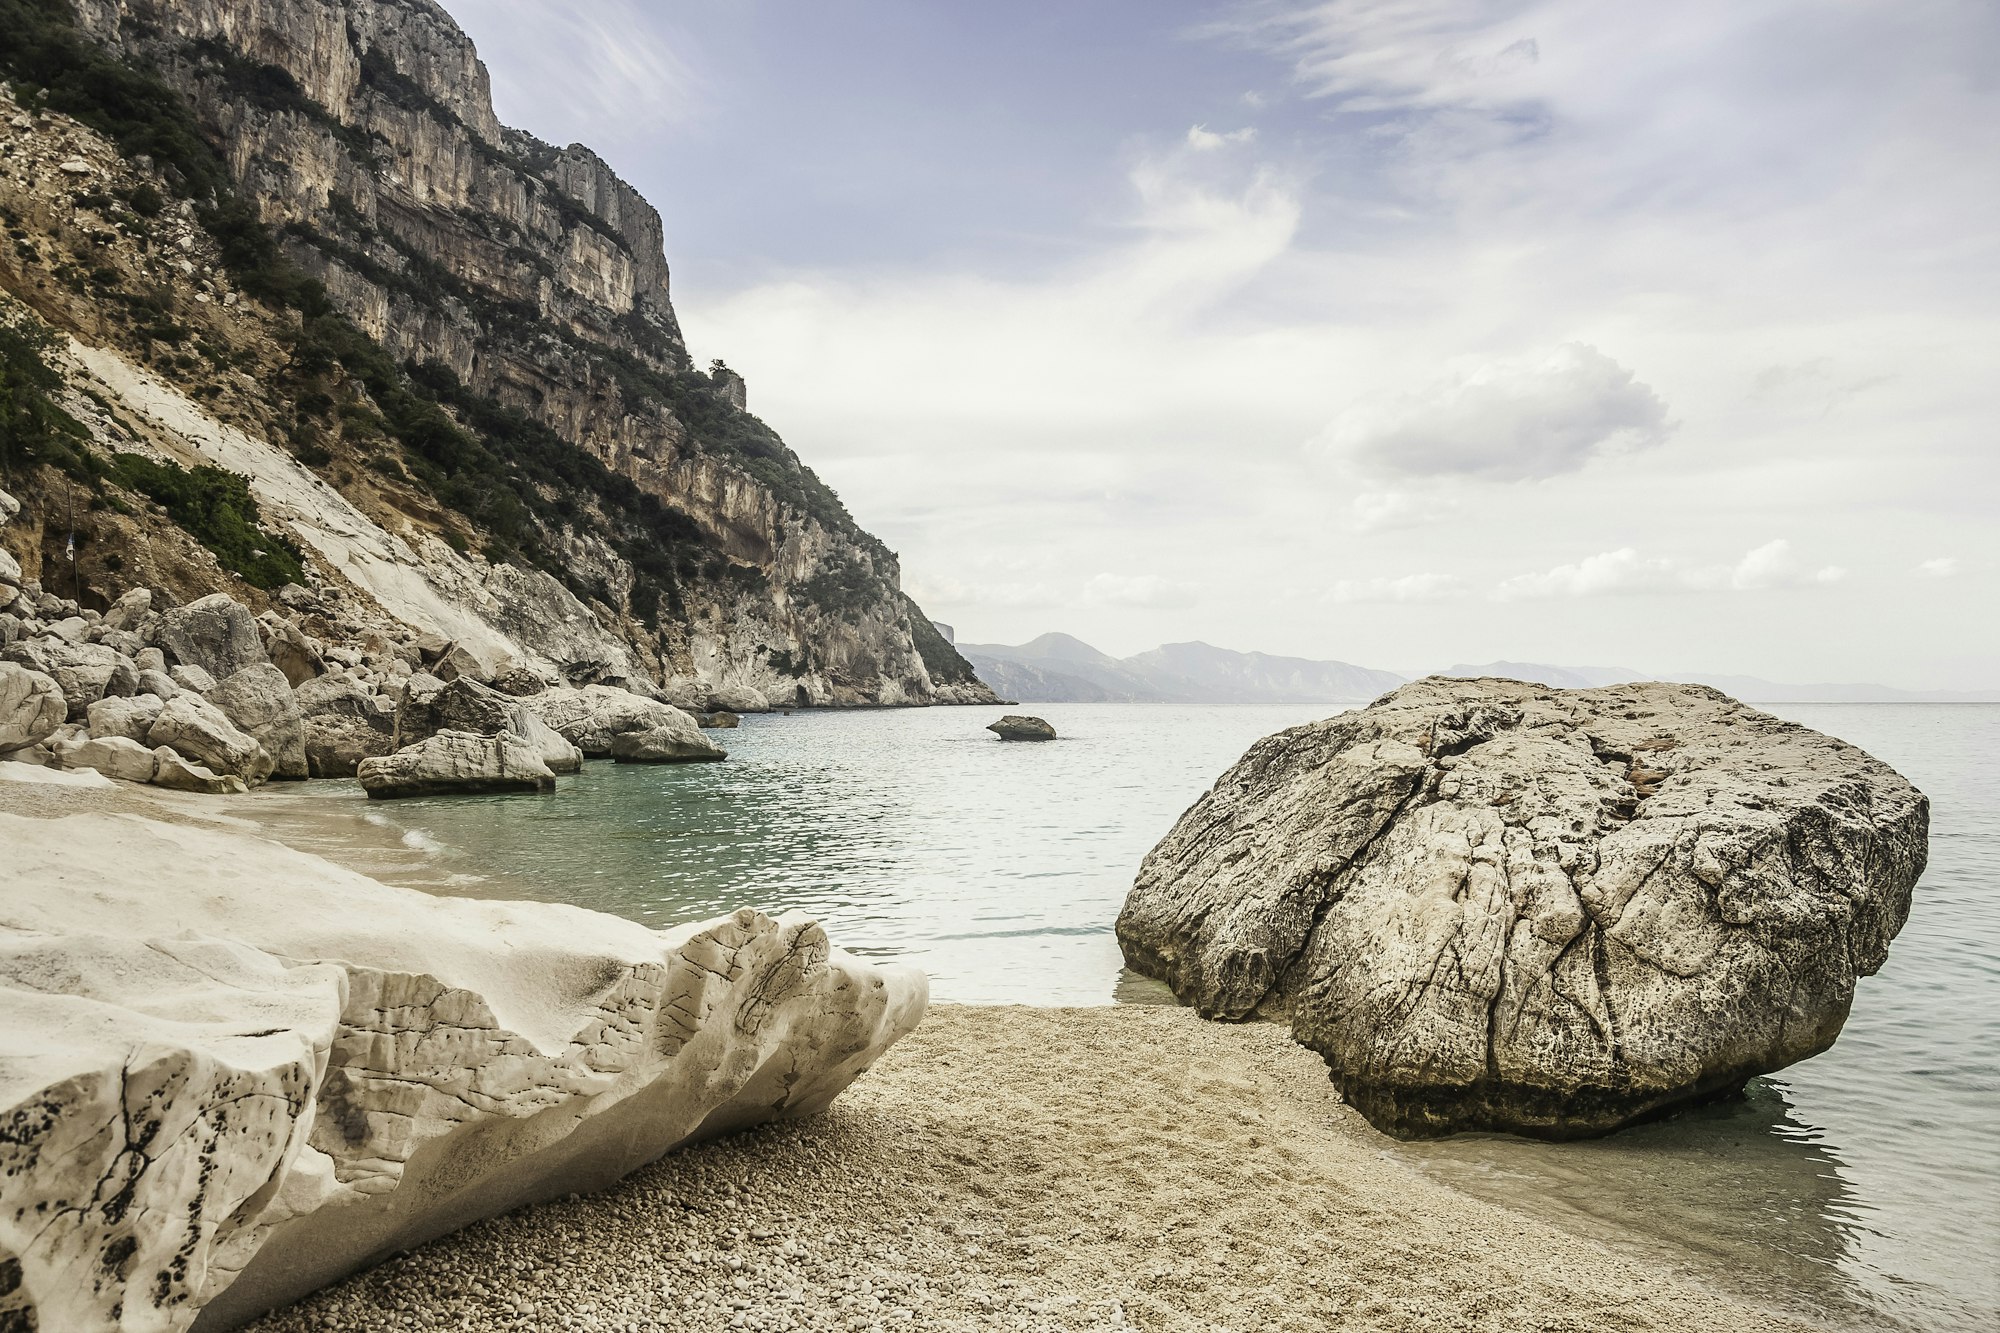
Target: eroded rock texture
[[200, 1119], [1492, 905]]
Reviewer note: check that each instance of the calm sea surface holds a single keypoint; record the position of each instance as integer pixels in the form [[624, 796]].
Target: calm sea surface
[[1861, 1188]]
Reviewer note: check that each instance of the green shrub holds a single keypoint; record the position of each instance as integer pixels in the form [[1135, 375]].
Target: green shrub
[[216, 509]]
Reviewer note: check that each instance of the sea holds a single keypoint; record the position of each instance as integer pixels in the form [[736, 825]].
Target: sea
[[1859, 1189]]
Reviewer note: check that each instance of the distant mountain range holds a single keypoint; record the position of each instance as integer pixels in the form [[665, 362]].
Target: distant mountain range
[[1058, 668]]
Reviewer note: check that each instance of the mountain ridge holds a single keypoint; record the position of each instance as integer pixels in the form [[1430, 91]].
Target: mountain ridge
[[1195, 672]]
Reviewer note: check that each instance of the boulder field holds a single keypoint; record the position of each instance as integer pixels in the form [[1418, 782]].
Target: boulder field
[[234, 1073], [1497, 906]]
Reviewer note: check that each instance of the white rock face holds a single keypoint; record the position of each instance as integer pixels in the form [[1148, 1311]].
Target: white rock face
[[204, 1117], [1492, 905]]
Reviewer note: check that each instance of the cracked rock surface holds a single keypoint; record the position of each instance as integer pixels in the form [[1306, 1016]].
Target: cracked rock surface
[[1492, 905], [232, 1073]]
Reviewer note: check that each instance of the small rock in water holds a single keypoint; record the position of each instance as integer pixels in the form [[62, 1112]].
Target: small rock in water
[[1017, 727]]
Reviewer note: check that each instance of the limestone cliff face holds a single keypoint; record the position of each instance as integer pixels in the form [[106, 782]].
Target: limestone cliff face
[[363, 132]]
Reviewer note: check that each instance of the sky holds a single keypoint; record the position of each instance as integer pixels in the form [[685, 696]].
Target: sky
[[1401, 332]]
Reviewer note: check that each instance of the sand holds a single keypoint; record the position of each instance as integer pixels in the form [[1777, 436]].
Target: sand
[[1010, 1168], [1034, 1169]]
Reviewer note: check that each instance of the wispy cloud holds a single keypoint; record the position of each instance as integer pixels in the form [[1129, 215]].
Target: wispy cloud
[[1408, 588], [573, 72], [1510, 420], [1625, 570], [1944, 567]]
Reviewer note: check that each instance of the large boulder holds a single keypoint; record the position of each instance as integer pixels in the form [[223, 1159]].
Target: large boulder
[[289, 649], [131, 718], [676, 743], [260, 702], [593, 716], [31, 707], [1496, 906], [429, 705], [457, 763], [177, 773], [114, 756], [262, 1072], [198, 730], [346, 721], [86, 672], [216, 633]]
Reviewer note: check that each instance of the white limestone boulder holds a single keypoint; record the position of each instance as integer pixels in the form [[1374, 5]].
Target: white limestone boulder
[[679, 742], [233, 1073], [259, 701], [198, 730], [1498, 906], [132, 718], [428, 705], [114, 756], [216, 633], [593, 716], [177, 773], [457, 763], [31, 707]]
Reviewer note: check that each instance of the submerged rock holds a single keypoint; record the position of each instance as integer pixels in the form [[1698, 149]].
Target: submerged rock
[[457, 763], [1016, 727], [241, 1094], [1498, 906]]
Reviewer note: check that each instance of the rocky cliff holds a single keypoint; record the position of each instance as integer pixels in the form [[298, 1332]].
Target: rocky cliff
[[301, 220]]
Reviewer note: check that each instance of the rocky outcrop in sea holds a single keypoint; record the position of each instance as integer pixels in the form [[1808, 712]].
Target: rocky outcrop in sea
[[1498, 906]]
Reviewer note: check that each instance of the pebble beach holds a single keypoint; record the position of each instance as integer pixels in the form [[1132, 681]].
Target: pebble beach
[[1011, 1168]]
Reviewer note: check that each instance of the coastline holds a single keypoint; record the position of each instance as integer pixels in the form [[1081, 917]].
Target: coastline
[[1007, 1167]]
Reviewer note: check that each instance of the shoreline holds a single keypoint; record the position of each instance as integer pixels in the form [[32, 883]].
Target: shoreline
[[1009, 1167]]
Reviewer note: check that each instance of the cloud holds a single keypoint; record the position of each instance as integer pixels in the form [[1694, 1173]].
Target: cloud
[[568, 71], [1386, 511], [1204, 140], [1772, 565], [1149, 591], [1409, 588], [1511, 420], [1944, 567]]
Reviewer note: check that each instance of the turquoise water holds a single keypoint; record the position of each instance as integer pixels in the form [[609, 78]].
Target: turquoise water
[[1861, 1188]]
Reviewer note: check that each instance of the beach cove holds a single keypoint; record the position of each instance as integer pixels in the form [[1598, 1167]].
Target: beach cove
[[1816, 1194]]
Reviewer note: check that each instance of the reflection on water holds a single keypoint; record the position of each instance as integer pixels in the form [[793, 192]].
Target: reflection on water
[[1744, 1195], [1861, 1187]]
